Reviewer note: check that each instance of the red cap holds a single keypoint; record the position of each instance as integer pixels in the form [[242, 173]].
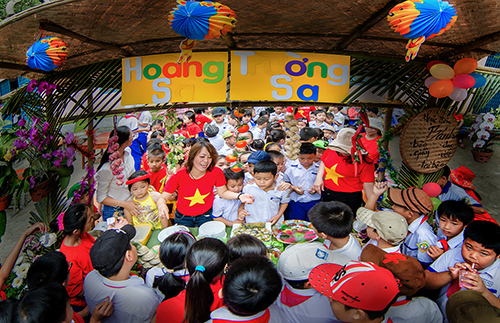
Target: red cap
[[362, 285], [462, 176]]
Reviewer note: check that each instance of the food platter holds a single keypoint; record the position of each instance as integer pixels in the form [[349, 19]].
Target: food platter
[[260, 230], [294, 231]]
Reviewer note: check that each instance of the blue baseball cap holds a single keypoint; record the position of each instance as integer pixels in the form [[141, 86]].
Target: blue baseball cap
[[258, 156]]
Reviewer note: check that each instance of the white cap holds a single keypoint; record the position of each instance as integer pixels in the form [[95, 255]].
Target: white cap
[[297, 261]]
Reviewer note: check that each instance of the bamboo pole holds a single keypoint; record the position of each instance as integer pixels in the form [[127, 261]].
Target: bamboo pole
[[90, 140]]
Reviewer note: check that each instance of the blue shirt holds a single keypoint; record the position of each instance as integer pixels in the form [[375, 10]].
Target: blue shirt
[[297, 175]]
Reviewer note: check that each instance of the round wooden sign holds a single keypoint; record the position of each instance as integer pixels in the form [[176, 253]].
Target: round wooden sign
[[429, 140]]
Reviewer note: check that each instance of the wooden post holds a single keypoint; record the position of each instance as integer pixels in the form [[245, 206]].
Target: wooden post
[[90, 138], [385, 144]]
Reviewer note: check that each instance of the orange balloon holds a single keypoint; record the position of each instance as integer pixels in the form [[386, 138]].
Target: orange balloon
[[441, 89], [465, 66]]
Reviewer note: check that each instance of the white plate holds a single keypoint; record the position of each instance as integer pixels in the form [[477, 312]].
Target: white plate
[[171, 230]]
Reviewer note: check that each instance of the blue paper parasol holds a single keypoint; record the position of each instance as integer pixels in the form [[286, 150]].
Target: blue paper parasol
[[191, 20]]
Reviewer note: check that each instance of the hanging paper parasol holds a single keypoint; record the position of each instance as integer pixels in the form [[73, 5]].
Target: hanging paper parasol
[[47, 53], [419, 20], [198, 21]]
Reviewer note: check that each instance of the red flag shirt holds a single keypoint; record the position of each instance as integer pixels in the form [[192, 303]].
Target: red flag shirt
[[302, 112], [193, 130], [157, 178], [195, 196], [371, 147], [339, 173], [202, 119]]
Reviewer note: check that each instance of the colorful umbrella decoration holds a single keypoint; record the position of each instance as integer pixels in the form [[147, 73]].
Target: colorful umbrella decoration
[[419, 20], [47, 53], [453, 82], [198, 21]]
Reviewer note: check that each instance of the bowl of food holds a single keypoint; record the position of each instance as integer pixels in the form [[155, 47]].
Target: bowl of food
[[171, 230], [260, 230], [294, 231]]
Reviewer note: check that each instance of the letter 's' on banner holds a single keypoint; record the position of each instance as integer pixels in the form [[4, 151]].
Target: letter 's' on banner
[[289, 76]]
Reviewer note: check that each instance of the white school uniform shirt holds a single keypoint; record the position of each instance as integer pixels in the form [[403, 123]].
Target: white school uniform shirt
[[490, 275], [223, 313], [217, 142], [131, 122], [258, 133], [419, 239], [395, 249], [248, 177], [146, 117], [134, 302], [223, 126], [228, 209], [266, 205], [340, 118], [276, 117], [304, 305], [352, 248], [454, 192], [315, 125], [106, 181], [226, 150], [297, 175], [454, 242], [416, 310]]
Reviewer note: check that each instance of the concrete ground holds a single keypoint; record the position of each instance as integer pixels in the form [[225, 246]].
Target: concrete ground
[[486, 182]]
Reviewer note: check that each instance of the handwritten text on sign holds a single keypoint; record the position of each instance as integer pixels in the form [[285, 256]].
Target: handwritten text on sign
[[428, 141], [159, 79], [289, 76]]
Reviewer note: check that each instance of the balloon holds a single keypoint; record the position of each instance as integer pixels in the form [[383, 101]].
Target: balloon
[[465, 66], [432, 63], [480, 80], [47, 53], [464, 81], [432, 189], [435, 203], [430, 80], [458, 94], [441, 88], [442, 72]]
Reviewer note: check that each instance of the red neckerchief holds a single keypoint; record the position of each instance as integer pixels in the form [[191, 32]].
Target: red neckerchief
[[129, 116], [401, 303], [291, 299], [444, 242], [262, 319]]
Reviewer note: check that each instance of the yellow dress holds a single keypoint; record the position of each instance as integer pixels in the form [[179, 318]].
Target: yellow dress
[[149, 213]]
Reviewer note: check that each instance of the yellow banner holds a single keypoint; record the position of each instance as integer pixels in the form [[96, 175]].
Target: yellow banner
[[289, 76], [157, 79]]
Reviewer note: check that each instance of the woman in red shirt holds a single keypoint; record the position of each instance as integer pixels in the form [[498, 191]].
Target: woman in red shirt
[[337, 177], [195, 187], [77, 220], [371, 137], [205, 261]]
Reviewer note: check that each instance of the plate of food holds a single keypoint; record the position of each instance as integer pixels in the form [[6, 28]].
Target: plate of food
[[294, 231], [260, 230]]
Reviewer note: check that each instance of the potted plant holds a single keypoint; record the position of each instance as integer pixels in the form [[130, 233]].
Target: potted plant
[[8, 177], [482, 132]]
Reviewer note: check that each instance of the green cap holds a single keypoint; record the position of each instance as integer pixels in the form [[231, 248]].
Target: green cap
[[321, 144]]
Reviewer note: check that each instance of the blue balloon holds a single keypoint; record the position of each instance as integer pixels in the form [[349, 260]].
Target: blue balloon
[[480, 80], [192, 19]]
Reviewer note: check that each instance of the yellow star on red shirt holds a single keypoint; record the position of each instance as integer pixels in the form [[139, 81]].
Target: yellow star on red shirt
[[197, 198], [331, 173]]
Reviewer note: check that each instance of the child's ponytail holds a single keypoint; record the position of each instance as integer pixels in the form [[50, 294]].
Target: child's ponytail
[[205, 261]]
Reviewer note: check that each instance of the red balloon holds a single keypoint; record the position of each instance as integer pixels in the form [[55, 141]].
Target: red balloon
[[432, 63], [464, 81], [432, 189], [441, 88], [465, 66]]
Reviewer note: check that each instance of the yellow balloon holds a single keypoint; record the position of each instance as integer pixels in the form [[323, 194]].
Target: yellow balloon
[[442, 72]]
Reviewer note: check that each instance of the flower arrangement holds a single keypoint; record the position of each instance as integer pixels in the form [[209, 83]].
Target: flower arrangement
[[481, 128], [41, 87], [34, 246], [174, 142]]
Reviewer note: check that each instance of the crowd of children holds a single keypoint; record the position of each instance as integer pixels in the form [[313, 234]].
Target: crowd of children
[[412, 263]]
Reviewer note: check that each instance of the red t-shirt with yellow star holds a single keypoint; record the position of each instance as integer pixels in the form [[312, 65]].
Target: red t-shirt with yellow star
[[339, 173], [195, 196]]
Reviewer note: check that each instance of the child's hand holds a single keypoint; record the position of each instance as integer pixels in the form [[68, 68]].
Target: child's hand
[[242, 214], [298, 190], [102, 311], [283, 186], [379, 188], [119, 223], [454, 272], [238, 221], [312, 190], [274, 219], [246, 198], [318, 185], [37, 227], [250, 181], [163, 211], [434, 252], [472, 281]]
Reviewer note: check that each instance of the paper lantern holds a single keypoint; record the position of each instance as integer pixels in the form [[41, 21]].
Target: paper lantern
[[442, 72], [200, 20], [419, 20], [464, 81], [47, 53], [465, 66], [441, 88]]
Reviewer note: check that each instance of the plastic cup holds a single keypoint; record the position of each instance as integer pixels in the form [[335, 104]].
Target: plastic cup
[[461, 275]]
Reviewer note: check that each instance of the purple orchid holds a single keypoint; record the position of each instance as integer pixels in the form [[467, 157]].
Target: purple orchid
[[19, 144], [42, 87], [45, 126], [31, 86], [69, 138], [47, 156], [57, 163], [70, 154], [51, 88], [21, 122], [58, 153], [21, 133], [32, 182]]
